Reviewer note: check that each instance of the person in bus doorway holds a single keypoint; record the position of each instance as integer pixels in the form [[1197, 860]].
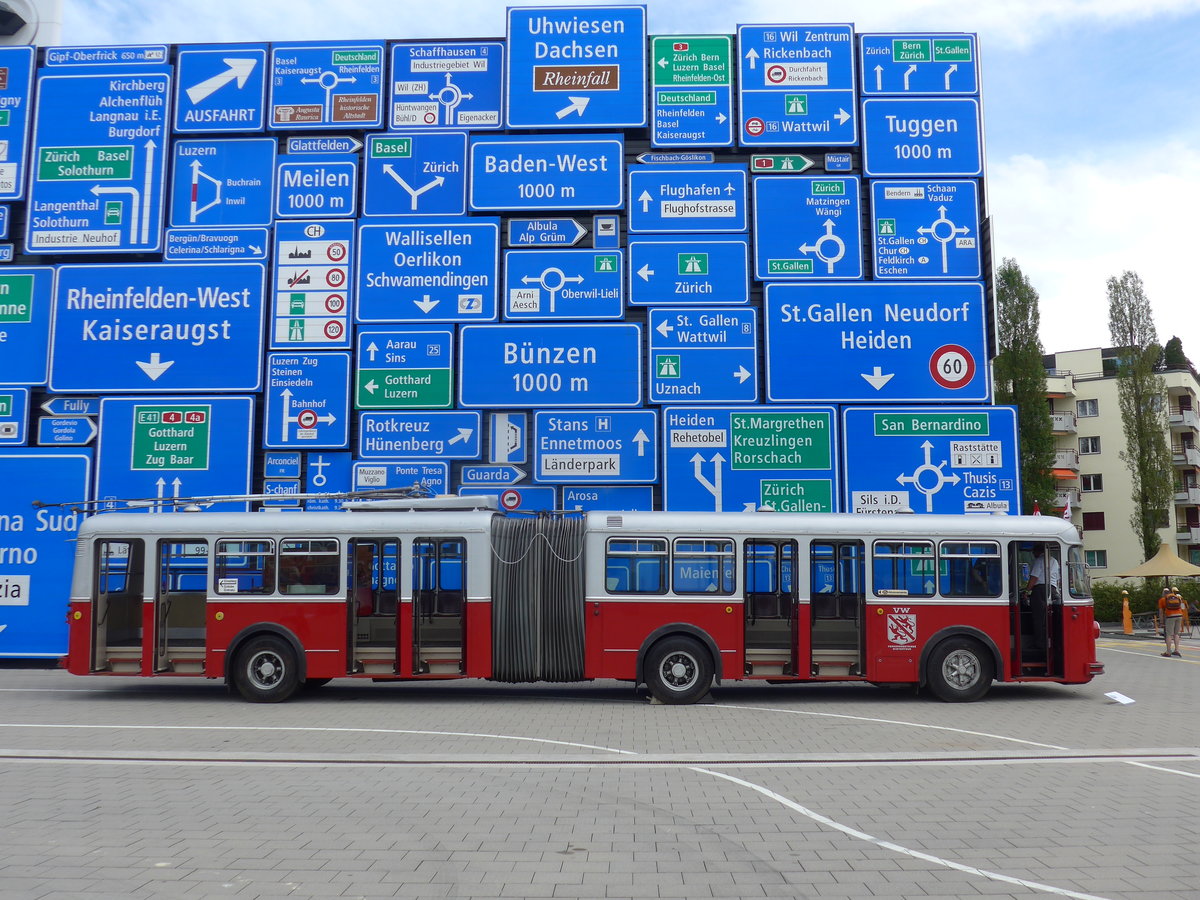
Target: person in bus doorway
[[1170, 604], [1043, 587]]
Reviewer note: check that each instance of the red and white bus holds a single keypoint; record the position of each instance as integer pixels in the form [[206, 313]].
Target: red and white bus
[[451, 588]]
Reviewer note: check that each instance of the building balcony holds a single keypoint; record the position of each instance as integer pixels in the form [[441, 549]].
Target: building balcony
[[1066, 459], [1062, 422], [1187, 495], [1060, 383], [1183, 455], [1062, 496], [1183, 418], [1185, 534]]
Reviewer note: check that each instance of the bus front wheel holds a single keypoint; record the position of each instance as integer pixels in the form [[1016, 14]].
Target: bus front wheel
[[678, 670], [960, 670], [267, 670]]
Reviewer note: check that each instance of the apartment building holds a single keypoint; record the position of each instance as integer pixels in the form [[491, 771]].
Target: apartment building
[[1081, 387]]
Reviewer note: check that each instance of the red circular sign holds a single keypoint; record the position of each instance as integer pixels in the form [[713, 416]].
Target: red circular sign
[[755, 126], [333, 330], [335, 277], [335, 303], [952, 366], [776, 74], [307, 419], [336, 251], [510, 499]]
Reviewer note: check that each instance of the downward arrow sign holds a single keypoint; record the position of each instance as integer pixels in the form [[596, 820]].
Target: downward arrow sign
[[877, 379], [155, 367]]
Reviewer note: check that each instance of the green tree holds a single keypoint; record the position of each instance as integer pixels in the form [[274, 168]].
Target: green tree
[[1021, 382], [1142, 398], [1173, 355]]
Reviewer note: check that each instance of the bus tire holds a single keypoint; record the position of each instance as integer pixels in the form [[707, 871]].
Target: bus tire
[[678, 670], [959, 670], [267, 670]]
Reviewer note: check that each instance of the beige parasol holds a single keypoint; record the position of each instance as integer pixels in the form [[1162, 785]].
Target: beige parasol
[[1164, 563]]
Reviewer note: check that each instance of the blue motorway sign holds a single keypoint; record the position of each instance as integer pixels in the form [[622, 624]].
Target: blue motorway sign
[[65, 431], [729, 459], [692, 95], [453, 85], [35, 570], [541, 172], [937, 136], [227, 181], [316, 185], [926, 229], [687, 198], [315, 85], [326, 473], [550, 365], [572, 67], [689, 268], [158, 449], [14, 415], [525, 498], [703, 355], [424, 477], [506, 437], [885, 341], [107, 56], [808, 226], [72, 406], [158, 327], [16, 90], [100, 142], [500, 476], [572, 447], [919, 64], [932, 459], [220, 87], [429, 271], [26, 303], [216, 244], [564, 284], [419, 435], [544, 232], [607, 496], [312, 284], [796, 86], [306, 400], [404, 369], [416, 174]]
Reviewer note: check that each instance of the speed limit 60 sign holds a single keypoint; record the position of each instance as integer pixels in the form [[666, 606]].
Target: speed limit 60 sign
[[876, 341]]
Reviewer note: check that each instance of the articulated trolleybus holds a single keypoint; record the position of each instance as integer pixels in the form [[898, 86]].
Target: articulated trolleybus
[[439, 588]]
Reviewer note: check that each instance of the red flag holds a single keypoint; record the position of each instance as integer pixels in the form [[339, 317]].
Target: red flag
[[1037, 510]]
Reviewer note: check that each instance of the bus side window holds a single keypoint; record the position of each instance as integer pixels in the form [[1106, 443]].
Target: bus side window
[[244, 567]]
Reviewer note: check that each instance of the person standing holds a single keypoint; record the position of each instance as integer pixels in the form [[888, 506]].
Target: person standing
[[1170, 604], [1043, 587]]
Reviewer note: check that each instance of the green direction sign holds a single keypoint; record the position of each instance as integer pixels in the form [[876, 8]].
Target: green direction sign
[[931, 424], [403, 389], [16, 299], [171, 437], [692, 61], [6, 405], [390, 148], [936, 50], [85, 163], [779, 163], [796, 494], [783, 440], [790, 266]]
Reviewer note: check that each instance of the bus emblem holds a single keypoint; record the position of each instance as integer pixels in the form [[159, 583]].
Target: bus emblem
[[902, 628]]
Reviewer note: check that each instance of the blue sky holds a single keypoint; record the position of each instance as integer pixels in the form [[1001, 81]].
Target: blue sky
[[1092, 116]]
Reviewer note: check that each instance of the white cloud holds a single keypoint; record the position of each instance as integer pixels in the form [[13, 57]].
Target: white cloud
[[1071, 225]]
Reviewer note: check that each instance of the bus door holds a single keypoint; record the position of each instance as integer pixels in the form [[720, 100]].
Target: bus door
[[1036, 610], [770, 606], [836, 597], [119, 577], [180, 602], [371, 605], [439, 605]]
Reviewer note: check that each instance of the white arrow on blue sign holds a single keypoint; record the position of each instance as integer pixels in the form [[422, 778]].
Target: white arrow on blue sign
[[488, 474], [807, 226], [543, 172], [419, 435], [544, 232], [935, 136], [576, 67], [223, 182], [926, 229], [672, 198], [416, 174], [26, 301], [315, 85], [220, 88], [934, 459], [65, 431], [457, 85], [688, 268], [572, 447], [307, 400], [910, 342], [703, 355], [564, 284], [909, 64]]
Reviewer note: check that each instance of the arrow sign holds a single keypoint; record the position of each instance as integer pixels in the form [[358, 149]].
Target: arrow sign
[[577, 105], [505, 475], [239, 70], [155, 367], [877, 379]]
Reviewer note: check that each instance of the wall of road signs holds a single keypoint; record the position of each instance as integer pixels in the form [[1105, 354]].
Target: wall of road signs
[[582, 266]]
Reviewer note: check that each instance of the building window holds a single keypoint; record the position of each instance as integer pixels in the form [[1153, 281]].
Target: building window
[[1093, 521], [1085, 408], [1091, 483], [1096, 559], [1089, 445]]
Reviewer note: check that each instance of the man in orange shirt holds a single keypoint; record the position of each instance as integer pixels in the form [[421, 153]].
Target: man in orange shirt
[[1170, 604]]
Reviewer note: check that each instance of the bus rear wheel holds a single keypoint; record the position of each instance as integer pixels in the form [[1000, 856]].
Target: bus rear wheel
[[678, 670], [960, 670], [267, 670]]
